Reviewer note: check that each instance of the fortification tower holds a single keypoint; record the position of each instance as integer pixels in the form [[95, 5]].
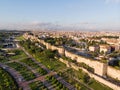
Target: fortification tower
[[62, 51]]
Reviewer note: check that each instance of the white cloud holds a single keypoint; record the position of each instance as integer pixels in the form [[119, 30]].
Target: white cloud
[[112, 1]]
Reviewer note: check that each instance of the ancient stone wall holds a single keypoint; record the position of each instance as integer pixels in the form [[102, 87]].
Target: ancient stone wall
[[114, 73], [99, 67], [101, 80]]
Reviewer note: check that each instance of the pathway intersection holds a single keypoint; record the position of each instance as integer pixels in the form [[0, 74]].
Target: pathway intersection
[[22, 83]]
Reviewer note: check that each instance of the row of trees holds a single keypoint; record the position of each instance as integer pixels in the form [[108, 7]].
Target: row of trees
[[60, 41], [23, 70], [37, 85], [39, 51], [99, 37], [6, 81], [56, 83]]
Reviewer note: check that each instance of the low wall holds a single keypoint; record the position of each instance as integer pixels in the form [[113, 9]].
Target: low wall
[[105, 82], [101, 80], [112, 72]]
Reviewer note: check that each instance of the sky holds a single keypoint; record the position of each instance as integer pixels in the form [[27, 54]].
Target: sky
[[100, 12]]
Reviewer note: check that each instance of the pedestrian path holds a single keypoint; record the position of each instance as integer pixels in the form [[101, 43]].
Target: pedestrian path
[[16, 75]]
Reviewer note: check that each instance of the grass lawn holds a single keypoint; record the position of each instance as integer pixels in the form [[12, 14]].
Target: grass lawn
[[52, 64], [6, 81], [68, 76], [37, 86], [70, 73], [20, 38], [29, 62], [57, 85], [18, 55], [28, 75], [98, 86], [3, 59]]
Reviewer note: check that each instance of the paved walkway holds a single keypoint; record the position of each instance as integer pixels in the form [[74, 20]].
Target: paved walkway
[[16, 75], [66, 84], [24, 84], [83, 83], [39, 78], [15, 60], [60, 79], [42, 79], [29, 68]]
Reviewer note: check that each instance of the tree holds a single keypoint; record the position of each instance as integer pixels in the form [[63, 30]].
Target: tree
[[86, 78], [49, 54], [119, 63], [102, 52]]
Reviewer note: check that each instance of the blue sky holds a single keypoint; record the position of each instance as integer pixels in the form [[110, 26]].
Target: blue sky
[[60, 11]]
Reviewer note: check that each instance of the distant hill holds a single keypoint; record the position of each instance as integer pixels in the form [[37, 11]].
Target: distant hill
[[58, 27]]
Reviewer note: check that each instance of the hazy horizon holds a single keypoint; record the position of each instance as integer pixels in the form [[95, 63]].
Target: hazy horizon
[[60, 15]]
